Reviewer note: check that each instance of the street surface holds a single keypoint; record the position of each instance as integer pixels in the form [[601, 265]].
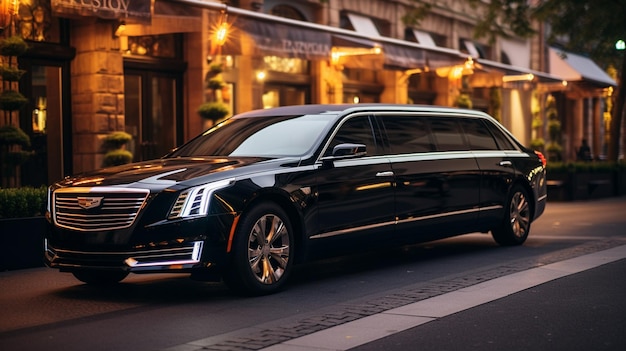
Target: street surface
[[573, 308]]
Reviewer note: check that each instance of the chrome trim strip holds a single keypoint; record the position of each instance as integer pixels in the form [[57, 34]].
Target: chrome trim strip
[[408, 220], [351, 230], [440, 215], [122, 253]]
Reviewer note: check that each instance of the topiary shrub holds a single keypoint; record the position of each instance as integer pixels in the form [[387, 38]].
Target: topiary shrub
[[116, 140], [13, 46], [117, 157], [11, 100], [22, 202], [213, 111]]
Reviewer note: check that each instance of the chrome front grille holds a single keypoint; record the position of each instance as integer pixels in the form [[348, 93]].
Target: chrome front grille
[[97, 209]]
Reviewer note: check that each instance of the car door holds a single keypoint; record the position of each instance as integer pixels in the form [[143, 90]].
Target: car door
[[495, 156], [355, 193], [437, 178]]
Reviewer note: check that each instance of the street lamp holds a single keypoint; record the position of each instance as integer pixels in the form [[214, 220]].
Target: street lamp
[[620, 45]]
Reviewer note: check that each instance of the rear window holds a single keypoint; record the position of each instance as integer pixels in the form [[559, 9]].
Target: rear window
[[447, 134], [478, 135]]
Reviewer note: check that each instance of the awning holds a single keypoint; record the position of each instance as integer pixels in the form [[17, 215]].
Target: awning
[[363, 25], [168, 17], [510, 70], [518, 52], [277, 39], [574, 67]]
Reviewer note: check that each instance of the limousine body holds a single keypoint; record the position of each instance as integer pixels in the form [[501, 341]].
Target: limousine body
[[264, 190]]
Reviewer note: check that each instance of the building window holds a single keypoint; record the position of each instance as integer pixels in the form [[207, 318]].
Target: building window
[[287, 11], [364, 25], [34, 22], [161, 46], [286, 65]]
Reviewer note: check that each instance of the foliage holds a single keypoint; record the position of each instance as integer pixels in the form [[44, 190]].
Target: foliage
[[537, 144], [213, 110], [554, 130], [11, 100], [583, 167], [13, 46], [116, 140], [116, 154], [216, 69], [12, 135], [117, 157], [463, 101], [22, 202], [11, 74], [215, 84], [495, 103], [585, 26]]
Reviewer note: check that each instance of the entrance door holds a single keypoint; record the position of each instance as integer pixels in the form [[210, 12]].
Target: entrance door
[[153, 112], [47, 121]]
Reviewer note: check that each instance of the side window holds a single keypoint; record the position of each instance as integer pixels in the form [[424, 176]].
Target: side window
[[356, 130], [447, 134], [407, 134], [478, 135], [503, 142]]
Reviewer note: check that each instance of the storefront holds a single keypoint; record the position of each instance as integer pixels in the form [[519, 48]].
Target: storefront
[[100, 67]]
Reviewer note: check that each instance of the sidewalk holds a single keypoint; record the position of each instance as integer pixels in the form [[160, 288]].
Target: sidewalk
[[576, 304]]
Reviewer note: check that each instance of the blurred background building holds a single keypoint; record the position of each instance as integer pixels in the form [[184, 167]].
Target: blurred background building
[[145, 67]]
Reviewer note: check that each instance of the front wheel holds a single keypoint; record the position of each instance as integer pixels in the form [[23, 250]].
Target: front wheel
[[262, 251], [515, 225], [96, 277]]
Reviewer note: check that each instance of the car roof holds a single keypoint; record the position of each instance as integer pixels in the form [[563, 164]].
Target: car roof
[[335, 109]]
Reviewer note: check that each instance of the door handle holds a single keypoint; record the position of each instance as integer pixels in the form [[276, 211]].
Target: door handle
[[385, 174], [506, 163]]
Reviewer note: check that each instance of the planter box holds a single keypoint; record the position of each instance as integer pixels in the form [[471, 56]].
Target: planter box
[[570, 186], [21, 242]]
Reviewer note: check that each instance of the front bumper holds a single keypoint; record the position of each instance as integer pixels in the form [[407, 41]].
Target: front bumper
[[183, 257]]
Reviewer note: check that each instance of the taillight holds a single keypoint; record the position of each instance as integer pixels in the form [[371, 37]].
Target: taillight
[[542, 158]]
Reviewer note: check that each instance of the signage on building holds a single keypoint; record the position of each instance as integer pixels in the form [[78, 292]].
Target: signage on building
[[286, 41], [126, 10]]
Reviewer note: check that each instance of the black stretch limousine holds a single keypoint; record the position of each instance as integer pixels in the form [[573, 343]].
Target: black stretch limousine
[[264, 190]]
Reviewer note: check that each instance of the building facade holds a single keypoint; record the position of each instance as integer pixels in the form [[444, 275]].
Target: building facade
[[145, 66]]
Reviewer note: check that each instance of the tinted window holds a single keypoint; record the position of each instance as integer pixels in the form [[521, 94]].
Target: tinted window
[[478, 135], [356, 130], [503, 142], [265, 137], [447, 134], [407, 134]]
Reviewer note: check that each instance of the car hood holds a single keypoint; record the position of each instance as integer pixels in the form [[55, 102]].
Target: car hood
[[163, 173]]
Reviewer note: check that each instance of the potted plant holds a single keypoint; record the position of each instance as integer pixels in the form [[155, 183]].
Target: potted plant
[[115, 146], [213, 111], [22, 224]]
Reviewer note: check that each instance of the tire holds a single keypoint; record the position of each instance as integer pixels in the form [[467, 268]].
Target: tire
[[261, 267], [515, 225], [98, 277]]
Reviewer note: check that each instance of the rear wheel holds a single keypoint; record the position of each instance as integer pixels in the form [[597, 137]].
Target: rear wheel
[[515, 225], [96, 277], [262, 251]]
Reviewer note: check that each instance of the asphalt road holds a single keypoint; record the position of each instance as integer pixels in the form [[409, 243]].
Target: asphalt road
[[46, 310]]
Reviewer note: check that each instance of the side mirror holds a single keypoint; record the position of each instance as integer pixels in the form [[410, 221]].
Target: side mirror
[[343, 151], [349, 150]]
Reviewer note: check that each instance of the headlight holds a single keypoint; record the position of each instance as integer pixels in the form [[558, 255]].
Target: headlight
[[194, 202]]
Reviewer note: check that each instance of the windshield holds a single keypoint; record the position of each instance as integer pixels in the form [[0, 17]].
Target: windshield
[[277, 136]]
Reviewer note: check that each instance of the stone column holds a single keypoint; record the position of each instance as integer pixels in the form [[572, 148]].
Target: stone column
[[97, 90]]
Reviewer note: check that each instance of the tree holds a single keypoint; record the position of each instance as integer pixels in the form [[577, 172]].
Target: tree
[[584, 26]]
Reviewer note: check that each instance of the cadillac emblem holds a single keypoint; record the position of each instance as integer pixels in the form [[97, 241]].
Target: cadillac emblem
[[89, 202]]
